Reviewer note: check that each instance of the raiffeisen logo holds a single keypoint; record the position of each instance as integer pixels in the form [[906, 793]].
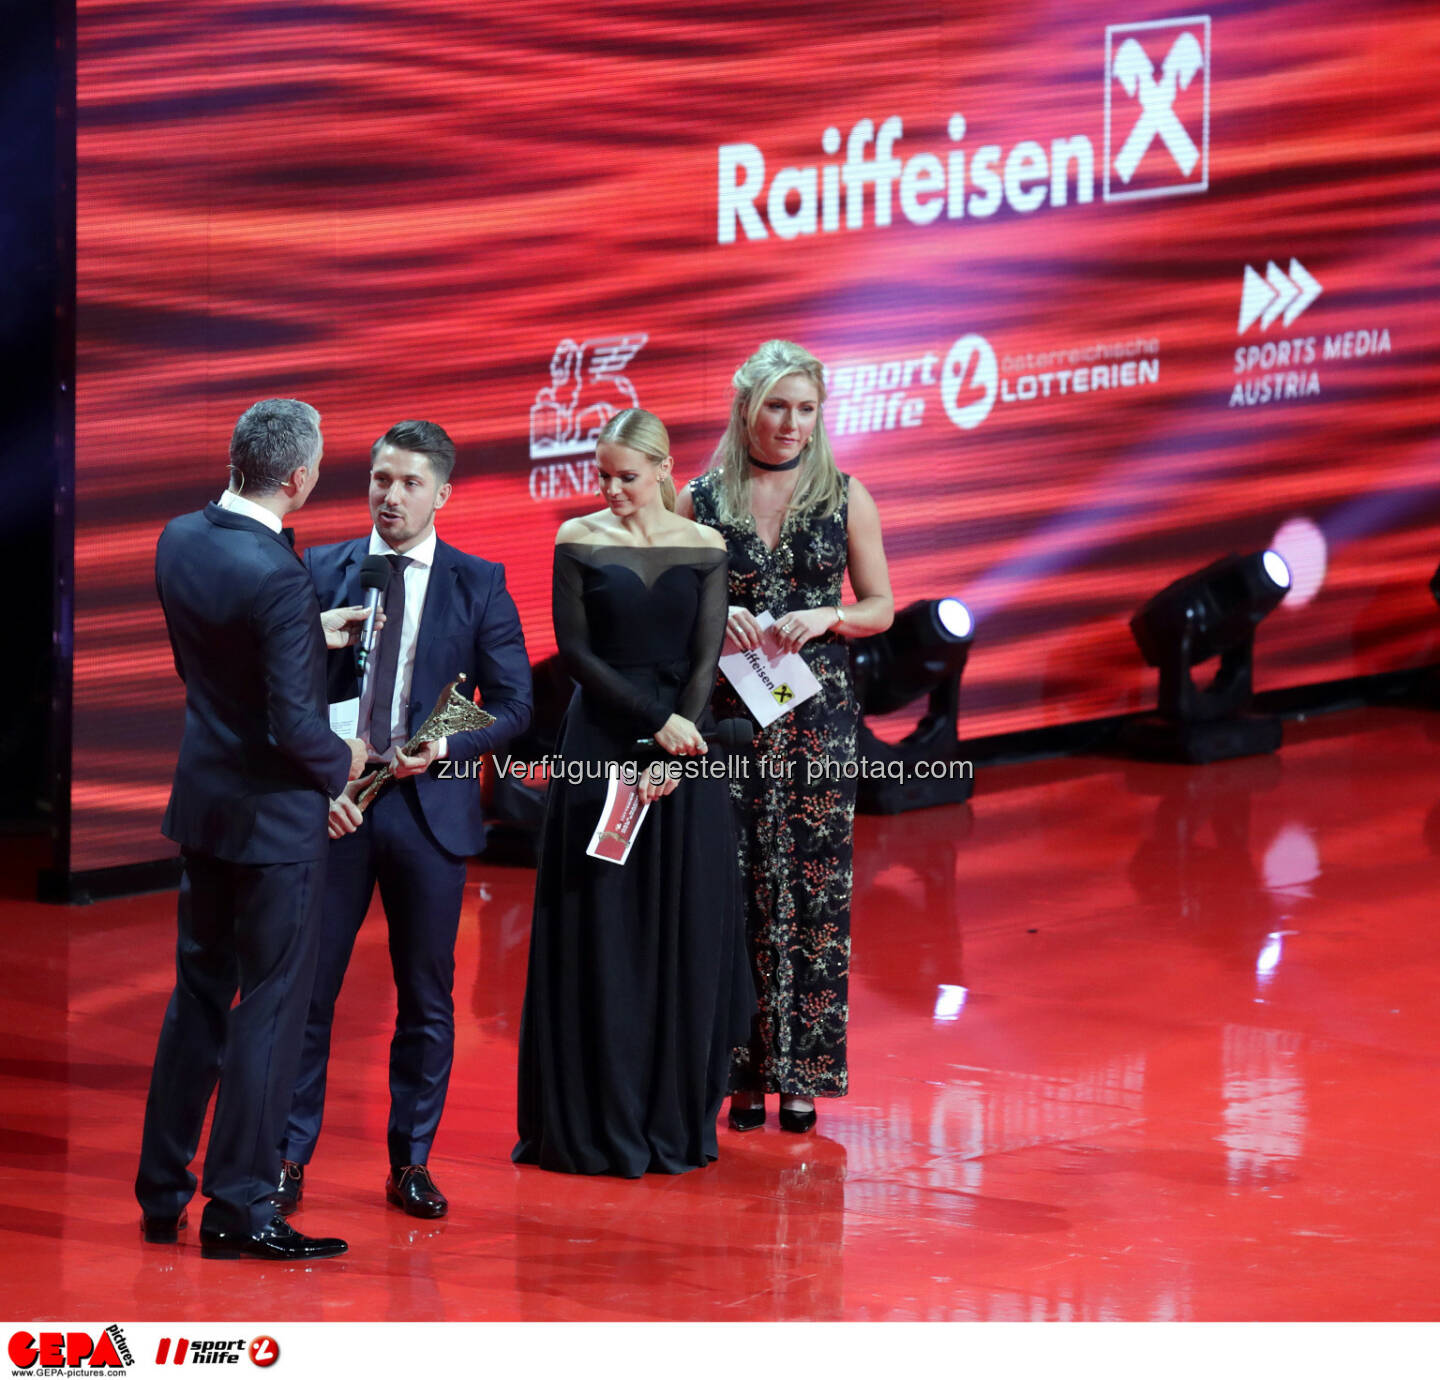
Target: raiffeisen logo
[[874, 180], [1147, 115], [1157, 108]]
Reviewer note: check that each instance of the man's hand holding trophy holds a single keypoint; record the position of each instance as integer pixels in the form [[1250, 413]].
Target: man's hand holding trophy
[[453, 713]]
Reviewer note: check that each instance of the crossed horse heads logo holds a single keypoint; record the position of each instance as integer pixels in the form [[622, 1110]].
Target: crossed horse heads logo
[[1135, 72]]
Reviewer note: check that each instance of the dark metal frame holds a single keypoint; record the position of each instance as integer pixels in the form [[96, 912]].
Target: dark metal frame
[[56, 884]]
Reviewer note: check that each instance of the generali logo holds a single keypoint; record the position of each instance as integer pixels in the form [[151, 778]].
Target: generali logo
[[587, 387]]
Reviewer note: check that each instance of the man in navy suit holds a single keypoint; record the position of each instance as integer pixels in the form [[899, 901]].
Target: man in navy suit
[[445, 612], [258, 765]]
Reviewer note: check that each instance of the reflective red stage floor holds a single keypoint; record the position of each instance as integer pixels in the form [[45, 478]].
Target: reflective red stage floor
[[1127, 1042]]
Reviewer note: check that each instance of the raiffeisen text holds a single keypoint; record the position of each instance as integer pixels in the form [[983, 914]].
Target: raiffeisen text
[[873, 177]]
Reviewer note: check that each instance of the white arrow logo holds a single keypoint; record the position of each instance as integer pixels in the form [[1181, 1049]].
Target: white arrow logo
[[1275, 295]]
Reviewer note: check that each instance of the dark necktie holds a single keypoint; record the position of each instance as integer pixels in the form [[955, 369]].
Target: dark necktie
[[389, 660]]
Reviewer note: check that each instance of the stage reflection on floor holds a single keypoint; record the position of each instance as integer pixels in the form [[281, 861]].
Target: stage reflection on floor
[[1127, 1042]]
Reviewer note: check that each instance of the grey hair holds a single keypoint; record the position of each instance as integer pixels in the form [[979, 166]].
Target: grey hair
[[273, 438]]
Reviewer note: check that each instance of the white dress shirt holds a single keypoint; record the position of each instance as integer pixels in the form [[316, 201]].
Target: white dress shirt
[[417, 580], [234, 503]]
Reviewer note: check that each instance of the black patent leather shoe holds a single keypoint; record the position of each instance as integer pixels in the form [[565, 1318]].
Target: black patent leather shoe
[[291, 1188], [162, 1231], [277, 1240], [746, 1118], [413, 1190], [798, 1122]]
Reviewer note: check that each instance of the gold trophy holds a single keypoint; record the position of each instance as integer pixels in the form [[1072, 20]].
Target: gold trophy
[[453, 713]]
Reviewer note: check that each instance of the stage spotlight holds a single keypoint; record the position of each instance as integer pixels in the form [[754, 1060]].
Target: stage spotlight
[[1212, 613], [922, 653]]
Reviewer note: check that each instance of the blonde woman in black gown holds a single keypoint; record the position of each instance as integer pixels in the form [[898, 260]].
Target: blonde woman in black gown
[[638, 987], [794, 525]]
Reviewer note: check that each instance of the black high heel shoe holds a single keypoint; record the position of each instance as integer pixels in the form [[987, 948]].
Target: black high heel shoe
[[798, 1122], [746, 1118]]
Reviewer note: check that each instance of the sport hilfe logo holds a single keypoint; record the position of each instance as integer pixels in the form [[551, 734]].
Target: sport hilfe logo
[[1157, 108], [181, 1351], [185, 1352], [264, 1351]]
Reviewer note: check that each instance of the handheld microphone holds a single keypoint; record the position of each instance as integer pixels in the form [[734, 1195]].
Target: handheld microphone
[[374, 576], [729, 733]]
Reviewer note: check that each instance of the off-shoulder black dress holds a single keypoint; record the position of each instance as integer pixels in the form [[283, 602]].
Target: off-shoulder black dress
[[639, 985]]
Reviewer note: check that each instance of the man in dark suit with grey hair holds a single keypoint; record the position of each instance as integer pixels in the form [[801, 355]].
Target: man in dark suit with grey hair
[[258, 767]]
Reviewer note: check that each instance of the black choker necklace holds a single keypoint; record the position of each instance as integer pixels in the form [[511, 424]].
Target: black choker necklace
[[766, 465]]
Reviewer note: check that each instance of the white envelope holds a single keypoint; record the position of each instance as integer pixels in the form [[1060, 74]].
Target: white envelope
[[619, 822], [770, 686], [345, 718]]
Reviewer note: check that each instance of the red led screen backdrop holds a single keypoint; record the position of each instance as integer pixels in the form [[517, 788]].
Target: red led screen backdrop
[[1104, 293]]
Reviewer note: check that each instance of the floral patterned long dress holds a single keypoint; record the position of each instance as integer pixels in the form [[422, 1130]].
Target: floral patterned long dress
[[797, 824]]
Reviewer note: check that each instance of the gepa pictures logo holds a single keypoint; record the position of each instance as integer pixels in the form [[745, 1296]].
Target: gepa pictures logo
[[71, 1351], [1157, 108]]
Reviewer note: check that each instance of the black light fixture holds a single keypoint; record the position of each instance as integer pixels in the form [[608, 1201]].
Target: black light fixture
[[1212, 613], [514, 802], [923, 652]]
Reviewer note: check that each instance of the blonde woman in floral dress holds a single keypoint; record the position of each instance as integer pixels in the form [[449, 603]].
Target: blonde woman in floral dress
[[793, 525]]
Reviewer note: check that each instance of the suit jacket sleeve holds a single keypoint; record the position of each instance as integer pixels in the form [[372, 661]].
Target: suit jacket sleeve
[[502, 675], [286, 619], [169, 631], [342, 680]]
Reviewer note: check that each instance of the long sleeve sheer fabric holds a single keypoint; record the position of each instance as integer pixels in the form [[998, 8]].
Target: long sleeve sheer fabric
[[640, 628], [639, 986]]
